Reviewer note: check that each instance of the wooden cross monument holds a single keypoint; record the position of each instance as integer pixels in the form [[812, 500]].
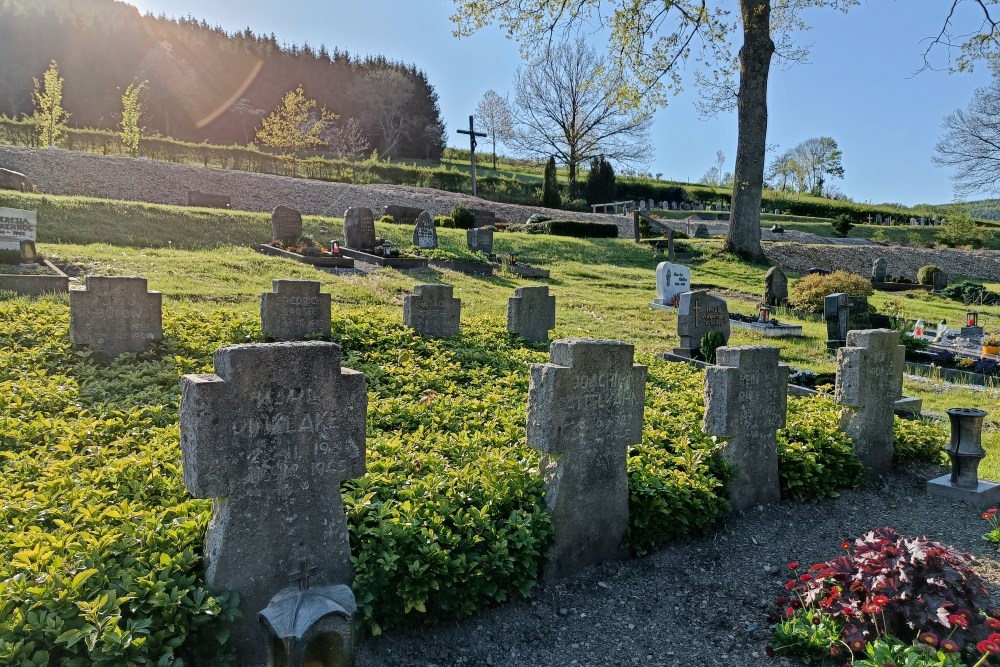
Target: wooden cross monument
[[472, 148]]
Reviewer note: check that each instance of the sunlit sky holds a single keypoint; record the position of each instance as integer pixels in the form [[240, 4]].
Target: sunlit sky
[[861, 86]]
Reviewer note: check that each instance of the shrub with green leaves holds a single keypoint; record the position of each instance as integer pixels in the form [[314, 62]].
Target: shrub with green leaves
[[917, 440], [926, 273], [815, 457], [809, 291], [462, 218]]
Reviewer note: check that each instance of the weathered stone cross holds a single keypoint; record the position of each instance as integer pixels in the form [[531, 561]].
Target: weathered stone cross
[[472, 148], [269, 439]]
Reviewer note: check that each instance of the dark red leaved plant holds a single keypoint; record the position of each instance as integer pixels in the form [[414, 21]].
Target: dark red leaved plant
[[901, 586]]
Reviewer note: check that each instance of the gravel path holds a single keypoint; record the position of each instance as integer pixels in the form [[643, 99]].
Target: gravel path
[[72, 173], [702, 602]]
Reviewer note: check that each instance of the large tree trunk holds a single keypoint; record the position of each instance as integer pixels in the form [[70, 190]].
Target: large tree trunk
[[748, 176]]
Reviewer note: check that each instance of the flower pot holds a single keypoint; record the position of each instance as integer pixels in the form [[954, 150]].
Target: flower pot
[[992, 350]]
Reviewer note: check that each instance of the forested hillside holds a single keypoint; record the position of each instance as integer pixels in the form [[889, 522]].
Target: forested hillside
[[203, 84]]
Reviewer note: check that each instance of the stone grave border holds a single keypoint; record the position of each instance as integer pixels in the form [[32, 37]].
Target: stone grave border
[[323, 262], [36, 285], [391, 262]]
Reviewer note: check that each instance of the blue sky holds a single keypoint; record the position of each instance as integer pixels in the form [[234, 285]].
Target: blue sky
[[860, 86]]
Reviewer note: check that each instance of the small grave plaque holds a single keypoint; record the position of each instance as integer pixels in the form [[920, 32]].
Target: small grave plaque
[[672, 280], [584, 411], [879, 269], [432, 311], [17, 225], [424, 233], [286, 224], [480, 240], [745, 401], [701, 231], [294, 310], [869, 381], [403, 215], [269, 438], [359, 228], [835, 307], [697, 314], [531, 313], [115, 315], [482, 217]]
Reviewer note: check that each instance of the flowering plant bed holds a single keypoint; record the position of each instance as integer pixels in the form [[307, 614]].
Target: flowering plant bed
[[322, 260], [889, 599]]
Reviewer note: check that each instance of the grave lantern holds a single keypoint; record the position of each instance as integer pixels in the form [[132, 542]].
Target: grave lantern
[[965, 449], [764, 313], [972, 318], [311, 626]]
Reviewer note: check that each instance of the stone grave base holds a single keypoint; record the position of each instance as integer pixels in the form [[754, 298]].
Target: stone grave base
[[769, 330], [468, 268], [524, 270], [391, 262], [36, 285], [987, 495], [900, 287], [344, 262], [657, 305]]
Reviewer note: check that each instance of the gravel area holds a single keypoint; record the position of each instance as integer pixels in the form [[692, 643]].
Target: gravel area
[[72, 173], [701, 602]]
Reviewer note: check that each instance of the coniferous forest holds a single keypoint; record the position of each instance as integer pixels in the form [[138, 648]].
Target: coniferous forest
[[202, 83]]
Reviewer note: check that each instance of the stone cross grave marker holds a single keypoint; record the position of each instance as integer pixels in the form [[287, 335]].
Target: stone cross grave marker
[[584, 411], [697, 314], [16, 227], [775, 287], [746, 396], [531, 313], [115, 315], [432, 311], [269, 438], [472, 148], [286, 224], [294, 310], [835, 311], [480, 240], [869, 381], [424, 233], [672, 280], [878, 219], [359, 228]]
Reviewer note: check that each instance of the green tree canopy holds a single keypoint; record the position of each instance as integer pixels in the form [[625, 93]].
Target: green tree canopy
[[50, 117], [295, 126]]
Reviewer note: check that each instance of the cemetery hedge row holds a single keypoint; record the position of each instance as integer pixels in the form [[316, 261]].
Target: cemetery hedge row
[[100, 556]]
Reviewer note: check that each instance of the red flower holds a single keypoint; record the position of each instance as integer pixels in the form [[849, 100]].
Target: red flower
[[992, 624], [949, 646], [994, 638], [781, 602], [991, 511], [793, 565], [869, 608], [959, 620], [986, 646], [789, 612], [880, 600], [790, 585], [817, 566], [845, 545], [928, 638], [805, 577], [857, 644]]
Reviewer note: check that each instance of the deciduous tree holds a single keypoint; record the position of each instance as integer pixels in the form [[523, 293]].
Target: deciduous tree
[[129, 130], [50, 117], [971, 143], [295, 126], [567, 104], [648, 39], [495, 119]]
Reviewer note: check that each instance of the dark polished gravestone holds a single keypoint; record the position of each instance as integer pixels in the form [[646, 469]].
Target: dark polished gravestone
[[775, 287], [531, 313], [424, 232], [286, 224], [403, 215], [115, 315], [295, 310], [746, 396], [698, 313], [584, 412], [359, 228], [480, 240], [269, 438], [432, 311]]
